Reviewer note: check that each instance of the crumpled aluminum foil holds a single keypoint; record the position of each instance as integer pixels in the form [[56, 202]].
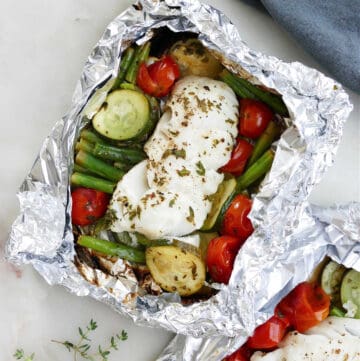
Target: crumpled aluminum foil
[[335, 232], [318, 107]]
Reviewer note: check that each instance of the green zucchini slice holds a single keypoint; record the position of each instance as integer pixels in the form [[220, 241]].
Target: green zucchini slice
[[125, 114], [331, 278], [350, 293], [225, 190]]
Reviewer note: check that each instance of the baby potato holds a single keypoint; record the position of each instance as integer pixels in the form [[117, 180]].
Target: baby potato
[[194, 59]]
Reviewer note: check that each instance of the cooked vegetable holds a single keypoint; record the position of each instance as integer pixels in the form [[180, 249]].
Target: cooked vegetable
[[194, 59], [242, 354], [264, 142], [78, 168], [112, 249], [98, 166], [84, 145], [255, 172], [350, 293], [337, 312], [331, 278], [158, 78], [239, 158], [141, 55], [220, 257], [245, 89], [251, 175], [124, 66], [175, 269], [269, 334], [126, 155], [124, 115], [254, 118], [236, 222], [88, 181], [305, 306], [225, 190], [91, 136], [88, 205]]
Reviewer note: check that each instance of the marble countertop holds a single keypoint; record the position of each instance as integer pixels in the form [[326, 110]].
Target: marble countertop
[[43, 47]]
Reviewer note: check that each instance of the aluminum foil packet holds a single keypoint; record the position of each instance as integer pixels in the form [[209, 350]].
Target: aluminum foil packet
[[336, 234], [318, 106]]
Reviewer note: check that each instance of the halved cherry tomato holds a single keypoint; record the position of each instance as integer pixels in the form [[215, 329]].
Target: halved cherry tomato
[[220, 257], [242, 354], [305, 306], [158, 78], [88, 205], [268, 335], [254, 118], [239, 157], [235, 222]]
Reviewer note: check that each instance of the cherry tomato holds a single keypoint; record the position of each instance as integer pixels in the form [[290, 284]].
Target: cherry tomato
[[269, 334], [235, 222], [254, 118], [239, 157], [242, 354], [220, 257], [158, 78], [305, 306], [88, 205]]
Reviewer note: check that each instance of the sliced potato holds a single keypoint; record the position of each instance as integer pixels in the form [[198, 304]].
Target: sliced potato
[[175, 269], [194, 59]]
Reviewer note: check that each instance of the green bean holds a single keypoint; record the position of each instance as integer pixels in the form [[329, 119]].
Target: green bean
[[88, 181]]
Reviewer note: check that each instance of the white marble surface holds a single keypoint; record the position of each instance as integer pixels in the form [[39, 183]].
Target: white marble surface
[[43, 47]]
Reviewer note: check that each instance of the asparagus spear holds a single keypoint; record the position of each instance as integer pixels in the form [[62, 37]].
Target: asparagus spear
[[247, 90], [124, 66], [112, 249], [84, 145], [141, 55], [91, 137], [98, 166], [256, 171], [264, 142], [88, 181], [126, 155], [336, 311]]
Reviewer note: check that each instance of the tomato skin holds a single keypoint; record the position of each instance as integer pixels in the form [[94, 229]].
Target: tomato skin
[[88, 205], [268, 335], [239, 157], [235, 222], [220, 257], [158, 78], [254, 118], [242, 354], [305, 306]]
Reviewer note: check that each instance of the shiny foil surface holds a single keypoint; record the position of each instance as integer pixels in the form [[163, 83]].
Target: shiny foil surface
[[332, 232], [264, 269]]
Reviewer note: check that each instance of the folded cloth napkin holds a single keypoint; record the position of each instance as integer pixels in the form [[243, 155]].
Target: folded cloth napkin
[[328, 29]]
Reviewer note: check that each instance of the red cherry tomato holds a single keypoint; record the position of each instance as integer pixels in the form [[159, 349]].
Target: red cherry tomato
[[254, 118], [158, 78], [239, 157], [305, 306], [268, 335], [242, 354], [220, 257], [235, 222], [88, 205]]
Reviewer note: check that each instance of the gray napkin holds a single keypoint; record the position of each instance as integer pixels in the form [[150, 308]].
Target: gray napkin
[[328, 29]]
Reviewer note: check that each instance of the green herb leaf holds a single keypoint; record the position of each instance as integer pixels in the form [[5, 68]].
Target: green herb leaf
[[200, 169]]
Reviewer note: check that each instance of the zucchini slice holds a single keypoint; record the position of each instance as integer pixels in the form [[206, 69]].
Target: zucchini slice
[[331, 278], [175, 269], [125, 114], [350, 293], [225, 190]]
